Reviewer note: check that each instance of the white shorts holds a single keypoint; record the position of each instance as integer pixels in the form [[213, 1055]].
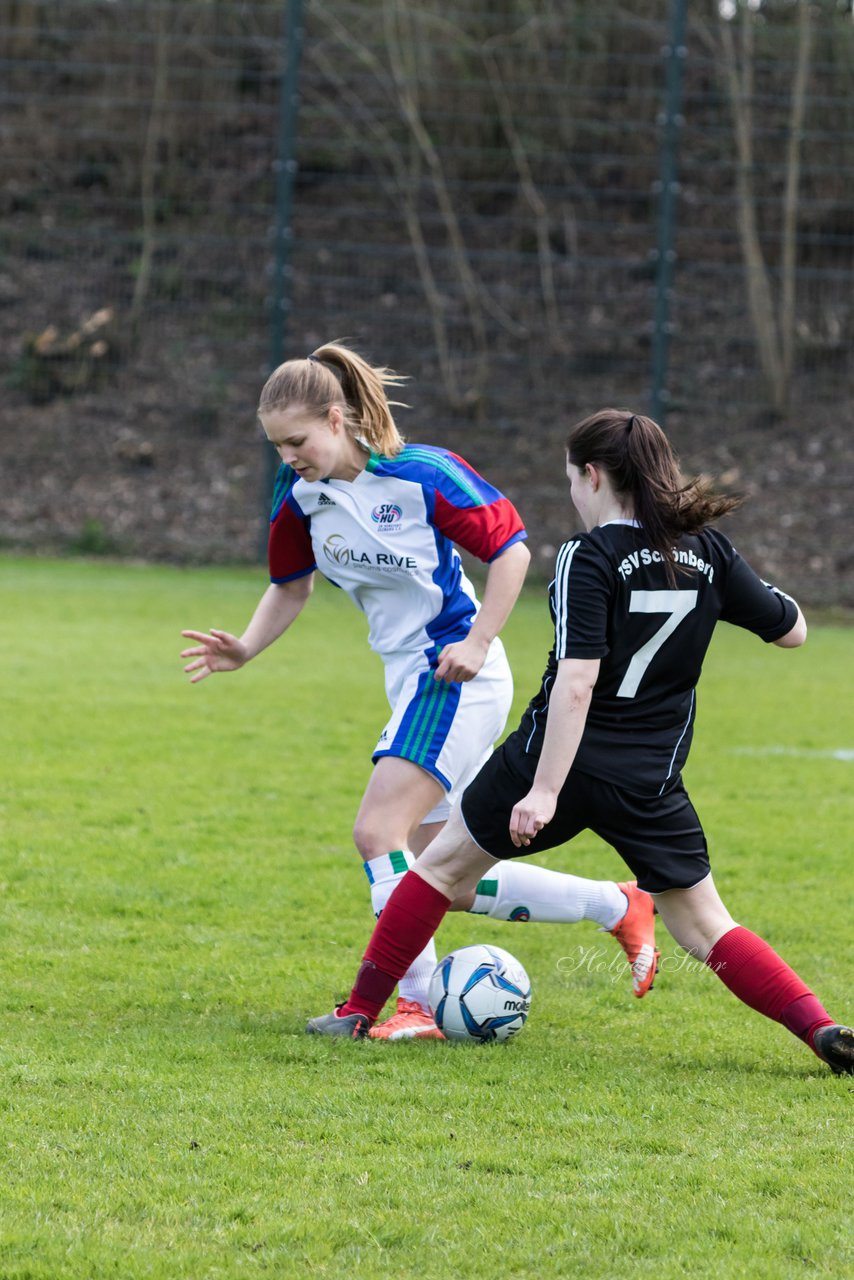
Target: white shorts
[[447, 729]]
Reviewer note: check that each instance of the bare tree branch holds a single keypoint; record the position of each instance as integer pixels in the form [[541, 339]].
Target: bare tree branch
[[395, 13], [738, 75], [148, 171], [535, 200], [793, 174]]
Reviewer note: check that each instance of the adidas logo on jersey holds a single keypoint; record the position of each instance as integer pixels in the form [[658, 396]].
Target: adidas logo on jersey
[[323, 501]]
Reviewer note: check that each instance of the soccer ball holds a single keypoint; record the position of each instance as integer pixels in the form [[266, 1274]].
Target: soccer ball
[[479, 993]]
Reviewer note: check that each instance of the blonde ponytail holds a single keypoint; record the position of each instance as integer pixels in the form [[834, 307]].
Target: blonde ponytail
[[364, 387], [335, 375]]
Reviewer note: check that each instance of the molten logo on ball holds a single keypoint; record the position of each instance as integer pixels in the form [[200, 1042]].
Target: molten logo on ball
[[480, 993]]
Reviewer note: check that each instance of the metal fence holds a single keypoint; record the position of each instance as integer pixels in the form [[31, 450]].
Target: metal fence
[[533, 207]]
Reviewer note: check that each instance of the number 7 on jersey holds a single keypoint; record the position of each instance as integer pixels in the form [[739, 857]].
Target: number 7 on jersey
[[677, 605]]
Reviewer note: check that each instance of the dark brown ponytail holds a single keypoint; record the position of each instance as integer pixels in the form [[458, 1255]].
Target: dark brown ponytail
[[641, 465]]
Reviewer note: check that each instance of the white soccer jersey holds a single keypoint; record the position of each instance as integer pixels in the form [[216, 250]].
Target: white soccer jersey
[[386, 538]]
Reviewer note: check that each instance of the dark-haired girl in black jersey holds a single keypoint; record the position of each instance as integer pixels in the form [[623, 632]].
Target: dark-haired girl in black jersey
[[381, 520], [634, 600]]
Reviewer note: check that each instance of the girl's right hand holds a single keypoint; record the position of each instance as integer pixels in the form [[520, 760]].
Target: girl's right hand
[[219, 651]]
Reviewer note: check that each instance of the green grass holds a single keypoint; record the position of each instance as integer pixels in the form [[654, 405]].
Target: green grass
[[179, 893]]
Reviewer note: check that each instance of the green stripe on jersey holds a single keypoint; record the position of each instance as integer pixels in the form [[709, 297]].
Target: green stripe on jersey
[[414, 454], [285, 478]]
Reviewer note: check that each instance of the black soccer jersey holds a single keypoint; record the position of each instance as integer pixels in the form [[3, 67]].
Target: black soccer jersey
[[610, 599]]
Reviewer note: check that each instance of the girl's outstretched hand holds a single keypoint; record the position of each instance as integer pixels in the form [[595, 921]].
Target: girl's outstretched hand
[[219, 651]]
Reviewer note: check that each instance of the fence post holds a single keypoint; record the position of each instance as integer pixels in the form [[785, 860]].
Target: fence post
[[671, 121], [285, 168]]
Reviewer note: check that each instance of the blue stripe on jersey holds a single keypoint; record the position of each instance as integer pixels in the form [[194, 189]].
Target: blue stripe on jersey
[[419, 465], [426, 724], [517, 537], [458, 609], [291, 577]]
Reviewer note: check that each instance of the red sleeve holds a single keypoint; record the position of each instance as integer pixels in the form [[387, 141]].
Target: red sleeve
[[472, 512], [289, 549], [483, 531]]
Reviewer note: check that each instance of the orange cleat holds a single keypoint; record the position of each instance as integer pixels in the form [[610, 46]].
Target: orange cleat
[[410, 1021], [636, 935]]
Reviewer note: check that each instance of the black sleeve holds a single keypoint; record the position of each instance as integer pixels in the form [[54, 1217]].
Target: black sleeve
[[582, 591], [756, 605]]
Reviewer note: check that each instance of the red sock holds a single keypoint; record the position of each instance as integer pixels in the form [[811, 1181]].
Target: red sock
[[757, 975], [407, 923]]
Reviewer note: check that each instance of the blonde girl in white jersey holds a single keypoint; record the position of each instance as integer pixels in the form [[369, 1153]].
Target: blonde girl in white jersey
[[380, 519]]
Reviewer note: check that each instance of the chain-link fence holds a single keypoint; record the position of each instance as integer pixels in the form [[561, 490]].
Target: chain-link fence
[[534, 207]]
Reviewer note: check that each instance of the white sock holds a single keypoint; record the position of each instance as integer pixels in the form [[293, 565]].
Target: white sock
[[522, 891], [384, 875], [416, 981]]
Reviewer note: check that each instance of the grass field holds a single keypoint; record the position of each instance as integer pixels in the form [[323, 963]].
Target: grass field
[[179, 893]]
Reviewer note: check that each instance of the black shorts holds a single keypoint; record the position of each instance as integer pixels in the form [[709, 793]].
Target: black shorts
[[659, 837]]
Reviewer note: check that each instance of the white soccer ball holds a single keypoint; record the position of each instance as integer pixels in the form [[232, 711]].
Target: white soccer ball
[[479, 993]]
